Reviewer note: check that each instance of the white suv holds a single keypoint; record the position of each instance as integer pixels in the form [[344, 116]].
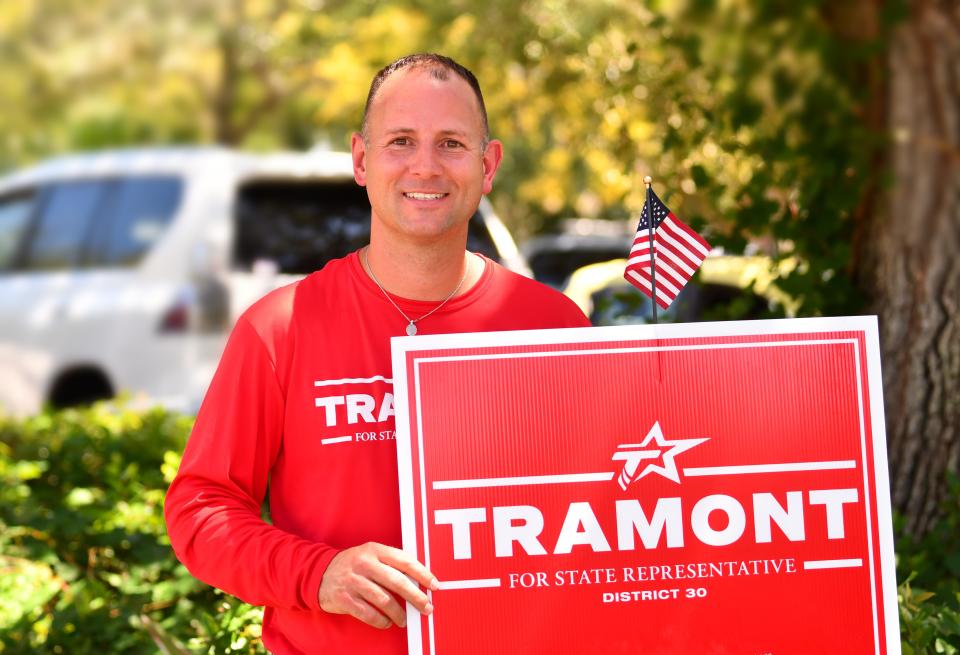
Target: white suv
[[123, 270]]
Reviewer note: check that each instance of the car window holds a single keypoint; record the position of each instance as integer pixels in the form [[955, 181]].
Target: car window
[[302, 225], [623, 304], [480, 240], [299, 226], [140, 210], [15, 213], [554, 267], [64, 225]]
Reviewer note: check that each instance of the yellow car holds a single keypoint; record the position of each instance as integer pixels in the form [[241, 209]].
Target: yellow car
[[725, 287]]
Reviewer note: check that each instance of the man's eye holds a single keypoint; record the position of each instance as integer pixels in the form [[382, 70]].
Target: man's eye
[[452, 144], [400, 141]]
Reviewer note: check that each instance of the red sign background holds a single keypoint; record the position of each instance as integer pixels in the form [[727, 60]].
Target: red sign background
[[789, 410]]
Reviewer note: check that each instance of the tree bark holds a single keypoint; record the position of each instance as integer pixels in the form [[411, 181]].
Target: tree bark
[[910, 265], [226, 93]]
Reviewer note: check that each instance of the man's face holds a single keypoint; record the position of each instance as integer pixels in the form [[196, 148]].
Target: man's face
[[423, 160]]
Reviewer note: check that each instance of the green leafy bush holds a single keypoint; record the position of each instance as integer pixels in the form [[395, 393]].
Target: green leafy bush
[[929, 592], [86, 563]]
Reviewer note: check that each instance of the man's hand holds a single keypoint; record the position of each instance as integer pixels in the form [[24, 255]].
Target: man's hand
[[362, 581]]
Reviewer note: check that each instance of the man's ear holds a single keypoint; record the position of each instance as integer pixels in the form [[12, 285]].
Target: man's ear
[[492, 157], [359, 151]]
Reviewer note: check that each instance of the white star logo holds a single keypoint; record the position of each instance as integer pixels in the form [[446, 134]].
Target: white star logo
[[633, 454]]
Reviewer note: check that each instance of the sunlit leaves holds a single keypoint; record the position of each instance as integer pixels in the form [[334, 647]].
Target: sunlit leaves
[[747, 114], [83, 544]]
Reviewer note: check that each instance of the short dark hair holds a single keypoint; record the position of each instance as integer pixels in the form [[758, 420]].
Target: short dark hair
[[439, 67]]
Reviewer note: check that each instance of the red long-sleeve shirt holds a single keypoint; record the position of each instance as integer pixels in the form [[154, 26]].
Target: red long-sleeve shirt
[[303, 399]]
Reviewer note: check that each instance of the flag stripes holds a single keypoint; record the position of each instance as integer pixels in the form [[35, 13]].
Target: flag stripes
[[678, 251]]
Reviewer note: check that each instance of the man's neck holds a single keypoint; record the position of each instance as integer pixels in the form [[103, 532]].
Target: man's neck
[[419, 273]]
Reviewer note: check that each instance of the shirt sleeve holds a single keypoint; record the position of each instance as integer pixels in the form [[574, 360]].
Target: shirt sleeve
[[577, 317], [566, 312], [212, 508]]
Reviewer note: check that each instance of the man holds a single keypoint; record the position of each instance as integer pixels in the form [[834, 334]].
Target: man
[[302, 396]]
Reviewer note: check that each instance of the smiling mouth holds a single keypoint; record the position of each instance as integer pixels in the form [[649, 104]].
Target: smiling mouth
[[425, 196]]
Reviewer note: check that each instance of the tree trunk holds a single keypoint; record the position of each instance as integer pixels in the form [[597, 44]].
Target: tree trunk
[[911, 260], [226, 92]]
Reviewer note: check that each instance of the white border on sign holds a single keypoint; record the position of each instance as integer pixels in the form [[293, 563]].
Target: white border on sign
[[424, 517], [408, 528], [878, 427], [867, 325]]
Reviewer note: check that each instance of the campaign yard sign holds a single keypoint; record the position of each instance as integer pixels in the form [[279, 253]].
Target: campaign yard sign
[[691, 489]]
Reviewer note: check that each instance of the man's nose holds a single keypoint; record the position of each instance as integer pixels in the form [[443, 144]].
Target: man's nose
[[424, 161]]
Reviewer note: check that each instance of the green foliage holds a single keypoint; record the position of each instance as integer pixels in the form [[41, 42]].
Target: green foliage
[[929, 593], [928, 626], [87, 566], [749, 115]]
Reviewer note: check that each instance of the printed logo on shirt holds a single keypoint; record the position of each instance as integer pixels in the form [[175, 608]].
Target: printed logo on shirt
[[352, 407]]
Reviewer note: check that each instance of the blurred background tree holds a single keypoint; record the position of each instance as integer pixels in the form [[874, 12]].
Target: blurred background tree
[[823, 130]]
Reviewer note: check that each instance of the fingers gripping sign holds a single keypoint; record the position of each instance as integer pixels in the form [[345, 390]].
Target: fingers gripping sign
[[365, 582]]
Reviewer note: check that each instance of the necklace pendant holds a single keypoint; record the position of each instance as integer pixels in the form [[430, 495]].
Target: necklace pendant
[[411, 329]]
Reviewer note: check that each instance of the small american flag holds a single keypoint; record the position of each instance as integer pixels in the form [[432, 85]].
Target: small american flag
[[679, 253]]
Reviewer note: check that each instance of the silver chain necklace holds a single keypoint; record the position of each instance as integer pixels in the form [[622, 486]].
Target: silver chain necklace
[[411, 322]]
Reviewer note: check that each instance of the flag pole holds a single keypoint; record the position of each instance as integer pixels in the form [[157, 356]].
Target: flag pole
[[648, 181]]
